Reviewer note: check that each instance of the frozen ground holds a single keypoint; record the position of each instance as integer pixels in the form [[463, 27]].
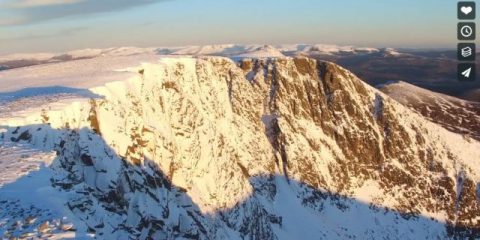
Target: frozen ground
[[80, 74]]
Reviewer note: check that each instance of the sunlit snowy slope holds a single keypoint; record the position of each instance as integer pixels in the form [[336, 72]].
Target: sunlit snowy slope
[[147, 146], [454, 114]]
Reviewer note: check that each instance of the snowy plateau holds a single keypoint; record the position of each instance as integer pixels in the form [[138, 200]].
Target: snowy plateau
[[173, 144]]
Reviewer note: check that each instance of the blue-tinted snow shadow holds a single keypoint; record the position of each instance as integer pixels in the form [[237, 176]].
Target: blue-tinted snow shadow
[[46, 91], [26, 197]]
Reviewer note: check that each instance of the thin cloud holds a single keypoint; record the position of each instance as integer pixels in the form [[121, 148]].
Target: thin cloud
[[33, 11], [29, 37], [38, 3]]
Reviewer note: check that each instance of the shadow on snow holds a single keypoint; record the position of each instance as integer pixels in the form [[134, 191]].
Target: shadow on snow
[[110, 195]]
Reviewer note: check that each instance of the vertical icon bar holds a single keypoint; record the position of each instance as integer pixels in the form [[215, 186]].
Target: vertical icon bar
[[466, 10]]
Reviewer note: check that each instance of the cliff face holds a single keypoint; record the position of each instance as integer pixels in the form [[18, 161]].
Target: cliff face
[[206, 148]]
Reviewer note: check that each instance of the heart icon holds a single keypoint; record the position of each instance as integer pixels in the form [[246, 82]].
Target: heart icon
[[466, 10]]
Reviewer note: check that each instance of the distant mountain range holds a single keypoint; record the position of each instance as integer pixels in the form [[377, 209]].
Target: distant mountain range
[[430, 69], [226, 50]]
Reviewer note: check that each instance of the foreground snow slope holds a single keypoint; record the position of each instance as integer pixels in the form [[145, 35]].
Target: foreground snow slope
[[205, 148], [83, 74], [30, 205]]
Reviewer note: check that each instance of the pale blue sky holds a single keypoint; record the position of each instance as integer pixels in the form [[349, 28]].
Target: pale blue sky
[[61, 25]]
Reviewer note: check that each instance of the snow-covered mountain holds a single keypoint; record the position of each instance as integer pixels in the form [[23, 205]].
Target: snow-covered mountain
[[431, 69], [210, 148], [266, 51], [226, 50], [454, 114]]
